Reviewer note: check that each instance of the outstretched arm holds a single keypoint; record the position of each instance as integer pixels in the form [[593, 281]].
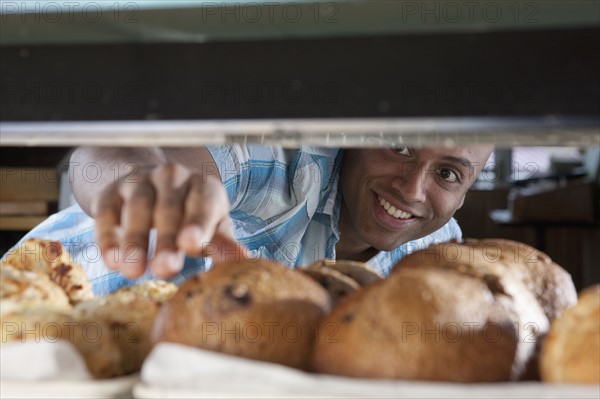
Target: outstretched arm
[[178, 191]]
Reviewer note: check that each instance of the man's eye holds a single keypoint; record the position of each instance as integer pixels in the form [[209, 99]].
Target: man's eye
[[449, 175], [401, 149]]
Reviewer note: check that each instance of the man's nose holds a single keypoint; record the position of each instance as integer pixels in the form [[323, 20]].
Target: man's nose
[[411, 184]]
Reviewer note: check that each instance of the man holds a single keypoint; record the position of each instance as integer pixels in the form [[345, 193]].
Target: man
[[175, 206]]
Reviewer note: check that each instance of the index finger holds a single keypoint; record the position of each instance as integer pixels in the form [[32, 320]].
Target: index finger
[[206, 206]]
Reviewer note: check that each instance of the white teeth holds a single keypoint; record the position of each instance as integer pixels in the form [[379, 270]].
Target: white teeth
[[391, 210]]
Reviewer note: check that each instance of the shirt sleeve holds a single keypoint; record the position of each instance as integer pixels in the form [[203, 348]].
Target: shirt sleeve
[[229, 164], [252, 174], [385, 261]]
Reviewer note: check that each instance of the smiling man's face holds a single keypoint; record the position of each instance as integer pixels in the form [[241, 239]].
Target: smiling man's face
[[392, 196]]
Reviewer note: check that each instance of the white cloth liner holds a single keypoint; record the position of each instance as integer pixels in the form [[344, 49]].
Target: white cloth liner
[[176, 371], [47, 369], [41, 361], [56, 369]]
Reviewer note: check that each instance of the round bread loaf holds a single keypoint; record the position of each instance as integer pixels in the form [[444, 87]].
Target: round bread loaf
[[538, 285], [550, 283], [571, 351], [51, 259], [255, 309], [417, 325], [447, 285], [129, 313], [92, 338]]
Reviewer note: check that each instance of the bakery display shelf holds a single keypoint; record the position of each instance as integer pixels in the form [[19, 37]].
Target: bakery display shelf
[[379, 67], [345, 74]]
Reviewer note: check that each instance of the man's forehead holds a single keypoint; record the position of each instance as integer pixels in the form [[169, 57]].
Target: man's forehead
[[474, 153]]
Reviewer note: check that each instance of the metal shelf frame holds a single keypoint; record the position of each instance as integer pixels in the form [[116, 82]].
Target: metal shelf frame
[[360, 132]]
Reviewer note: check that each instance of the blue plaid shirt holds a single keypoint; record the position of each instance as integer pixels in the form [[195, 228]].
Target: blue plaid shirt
[[285, 206]]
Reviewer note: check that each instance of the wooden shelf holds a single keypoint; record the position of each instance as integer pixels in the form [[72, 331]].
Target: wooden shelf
[[20, 223]]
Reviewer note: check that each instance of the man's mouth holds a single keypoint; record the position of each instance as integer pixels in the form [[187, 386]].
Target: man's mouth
[[392, 211]]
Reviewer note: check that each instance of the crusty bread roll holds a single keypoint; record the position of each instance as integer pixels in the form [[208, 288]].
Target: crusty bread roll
[[415, 326], [21, 289], [91, 337], [129, 314], [449, 312], [571, 351], [336, 284], [550, 283], [51, 259], [255, 309], [156, 290], [341, 277], [38, 286], [360, 272]]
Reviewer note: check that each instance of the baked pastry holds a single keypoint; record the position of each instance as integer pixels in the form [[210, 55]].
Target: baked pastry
[[571, 351], [90, 337], [360, 272], [35, 282], [129, 314], [341, 277], [21, 289], [255, 309], [51, 259], [156, 290], [414, 326], [446, 313], [550, 283], [336, 284], [551, 286]]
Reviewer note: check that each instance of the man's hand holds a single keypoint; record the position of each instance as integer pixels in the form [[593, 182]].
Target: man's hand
[[190, 212]]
